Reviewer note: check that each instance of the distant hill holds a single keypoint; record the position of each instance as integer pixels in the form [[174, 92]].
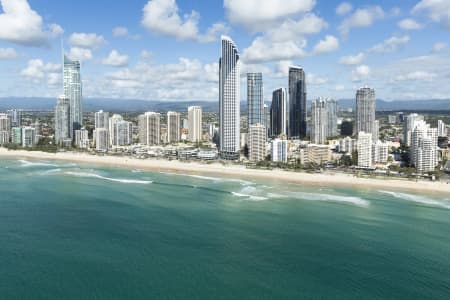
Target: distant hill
[[132, 105]]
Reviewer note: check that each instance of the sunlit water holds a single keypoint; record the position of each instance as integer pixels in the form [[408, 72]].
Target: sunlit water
[[75, 232]]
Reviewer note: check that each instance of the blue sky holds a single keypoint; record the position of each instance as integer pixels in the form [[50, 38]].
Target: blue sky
[[169, 49]]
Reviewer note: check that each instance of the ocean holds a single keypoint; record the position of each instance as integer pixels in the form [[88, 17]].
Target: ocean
[[70, 231]]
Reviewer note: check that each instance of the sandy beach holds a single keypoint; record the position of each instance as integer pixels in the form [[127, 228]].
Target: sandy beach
[[218, 169]]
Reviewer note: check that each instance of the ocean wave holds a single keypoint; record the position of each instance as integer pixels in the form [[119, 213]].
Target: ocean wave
[[26, 163], [93, 175], [330, 198], [444, 203], [49, 172], [214, 179], [249, 197]]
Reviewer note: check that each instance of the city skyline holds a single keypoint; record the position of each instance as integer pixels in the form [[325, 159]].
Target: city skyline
[[178, 40]]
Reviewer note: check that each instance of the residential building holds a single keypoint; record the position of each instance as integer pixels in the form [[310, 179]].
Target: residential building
[[29, 136], [173, 127], [380, 152], [101, 119], [279, 150], [62, 120], [319, 121], [82, 138], [315, 154], [410, 123], [364, 147], [347, 145], [229, 100], [255, 99], [150, 128], [16, 135], [332, 109], [101, 137], [195, 124], [365, 112], [257, 142], [423, 151], [4, 129], [442, 128], [73, 91], [15, 117], [297, 103], [278, 113]]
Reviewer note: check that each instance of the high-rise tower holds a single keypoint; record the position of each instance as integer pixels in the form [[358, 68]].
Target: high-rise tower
[[73, 91], [297, 102]]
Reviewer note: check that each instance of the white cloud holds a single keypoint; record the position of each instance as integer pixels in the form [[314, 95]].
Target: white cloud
[[344, 8], [281, 68], [417, 75], [115, 59], [391, 44], [329, 44], [120, 31], [146, 54], [284, 42], [437, 10], [8, 53], [438, 47], [362, 17], [86, 40], [409, 24], [352, 59], [162, 17], [81, 54], [37, 71], [339, 88], [361, 73], [313, 79], [55, 30], [256, 15], [20, 24]]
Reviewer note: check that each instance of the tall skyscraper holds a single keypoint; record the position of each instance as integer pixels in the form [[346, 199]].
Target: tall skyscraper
[[73, 91], [62, 120], [278, 113], [195, 123], [442, 129], [319, 121], [364, 150], [255, 99], [101, 138], [365, 111], [229, 100], [297, 102], [15, 117], [4, 129], [122, 133], [423, 152], [111, 123], [332, 108], [257, 142], [408, 125], [173, 127], [101, 119], [150, 128]]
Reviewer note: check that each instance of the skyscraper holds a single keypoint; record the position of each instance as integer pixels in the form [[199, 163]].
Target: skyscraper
[[62, 120], [195, 123], [111, 123], [122, 133], [229, 100], [101, 119], [101, 137], [332, 108], [173, 127], [4, 129], [365, 111], [278, 113], [297, 102], [364, 150], [257, 142], [15, 117], [73, 91], [409, 124], [423, 151], [28, 136], [255, 99], [319, 121], [150, 128]]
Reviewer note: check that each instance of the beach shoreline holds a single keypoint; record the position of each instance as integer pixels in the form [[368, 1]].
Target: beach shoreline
[[218, 169]]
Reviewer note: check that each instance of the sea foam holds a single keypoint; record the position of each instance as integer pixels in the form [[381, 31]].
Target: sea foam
[[93, 175], [445, 203], [26, 163]]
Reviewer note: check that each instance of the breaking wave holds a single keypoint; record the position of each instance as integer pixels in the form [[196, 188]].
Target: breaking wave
[[93, 175], [26, 163], [444, 203]]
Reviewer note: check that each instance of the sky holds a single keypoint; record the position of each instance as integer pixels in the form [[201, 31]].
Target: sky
[[168, 50]]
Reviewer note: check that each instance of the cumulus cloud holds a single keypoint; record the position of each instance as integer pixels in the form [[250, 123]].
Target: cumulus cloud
[[55, 30], [362, 17], [360, 73], [437, 10], [352, 59], [162, 17], [417, 75], [115, 59], [344, 8], [284, 42], [409, 24], [314, 79], [329, 44], [81, 54], [20, 24], [120, 31], [257, 15], [391, 44], [339, 88], [86, 40], [38, 71], [8, 53]]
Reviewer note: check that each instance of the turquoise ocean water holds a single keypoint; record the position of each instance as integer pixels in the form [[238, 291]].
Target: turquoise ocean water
[[69, 231]]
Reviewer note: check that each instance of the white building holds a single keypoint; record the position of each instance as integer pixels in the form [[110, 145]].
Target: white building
[[316, 154], [347, 145], [365, 112], [279, 150], [173, 127], [257, 142], [101, 137], [101, 119], [111, 123], [62, 120], [73, 90], [82, 138], [4, 129], [195, 123], [423, 150], [364, 150], [229, 100], [380, 152], [122, 133], [442, 129], [410, 123], [150, 129], [319, 121], [28, 137]]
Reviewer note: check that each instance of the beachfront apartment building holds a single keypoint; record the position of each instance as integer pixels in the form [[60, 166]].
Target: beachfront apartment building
[[364, 147], [256, 142], [173, 127], [62, 121], [29, 138], [365, 112], [423, 151], [319, 121], [101, 138], [255, 99], [279, 150], [195, 124], [4, 129], [297, 103], [279, 113], [150, 128]]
